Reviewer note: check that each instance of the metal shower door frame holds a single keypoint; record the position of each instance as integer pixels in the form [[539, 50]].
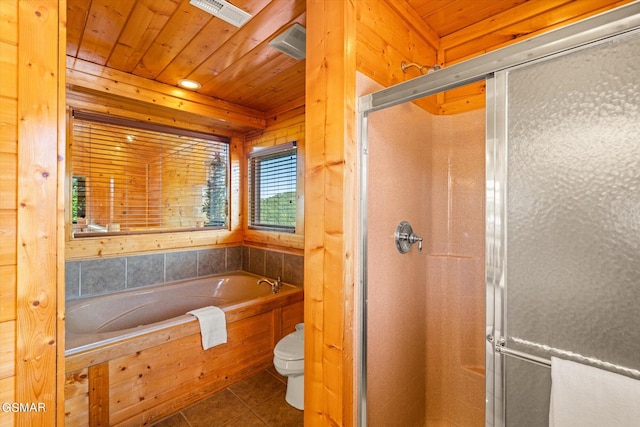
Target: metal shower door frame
[[485, 67]]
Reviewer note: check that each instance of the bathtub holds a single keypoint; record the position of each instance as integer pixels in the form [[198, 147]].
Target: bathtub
[[135, 356], [96, 321]]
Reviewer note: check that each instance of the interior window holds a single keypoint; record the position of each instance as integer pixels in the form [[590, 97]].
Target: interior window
[[130, 177], [272, 188]]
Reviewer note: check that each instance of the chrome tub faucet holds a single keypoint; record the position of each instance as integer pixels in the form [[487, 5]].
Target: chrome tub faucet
[[275, 284]]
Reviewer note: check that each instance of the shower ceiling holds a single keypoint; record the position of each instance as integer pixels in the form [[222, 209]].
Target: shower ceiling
[[169, 40]]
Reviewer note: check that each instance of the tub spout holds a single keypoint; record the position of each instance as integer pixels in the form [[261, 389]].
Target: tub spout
[[275, 284]]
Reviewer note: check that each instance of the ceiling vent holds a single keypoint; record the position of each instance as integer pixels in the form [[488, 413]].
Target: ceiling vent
[[223, 10], [292, 42]]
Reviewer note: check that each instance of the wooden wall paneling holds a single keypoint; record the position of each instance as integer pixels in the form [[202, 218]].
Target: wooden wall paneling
[[510, 26], [451, 15], [329, 212], [7, 349], [154, 378], [102, 79], [109, 74], [61, 218], [9, 22], [276, 321], [8, 181], [8, 203], [465, 98], [387, 50], [418, 27], [76, 383], [76, 399], [99, 247], [380, 53], [39, 59], [461, 105], [291, 316], [8, 237], [7, 394], [7, 292], [8, 125], [236, 153], [99, 395], [286, 111], [122, 107], [76, 412], [8, 69]]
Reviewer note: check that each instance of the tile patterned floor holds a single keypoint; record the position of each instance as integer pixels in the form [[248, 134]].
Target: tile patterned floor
[[256, 401]]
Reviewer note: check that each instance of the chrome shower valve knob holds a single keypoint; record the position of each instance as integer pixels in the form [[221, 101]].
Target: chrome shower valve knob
[[405, 237]]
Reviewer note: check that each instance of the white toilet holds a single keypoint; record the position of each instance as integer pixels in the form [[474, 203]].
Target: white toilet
[[289, 361]]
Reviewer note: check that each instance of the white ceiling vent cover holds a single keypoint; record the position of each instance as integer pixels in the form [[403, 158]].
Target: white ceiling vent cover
[[223, 10], [292, 42]]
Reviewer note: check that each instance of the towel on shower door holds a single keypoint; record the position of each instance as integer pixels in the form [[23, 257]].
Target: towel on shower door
[[585, 396], [213, 326]]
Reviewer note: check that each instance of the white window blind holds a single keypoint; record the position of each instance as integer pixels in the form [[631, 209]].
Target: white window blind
[[272, 188], [136, 177]]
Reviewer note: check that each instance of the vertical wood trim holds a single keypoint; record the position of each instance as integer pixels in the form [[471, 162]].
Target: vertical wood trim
[[329, 212], [99, 395], [62, 190], [37, 234]]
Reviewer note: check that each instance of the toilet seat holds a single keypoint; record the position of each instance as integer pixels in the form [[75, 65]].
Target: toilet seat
[[291, 347]]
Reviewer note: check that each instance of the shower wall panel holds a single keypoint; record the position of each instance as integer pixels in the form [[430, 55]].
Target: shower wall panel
[[399, 182], [455, 279]]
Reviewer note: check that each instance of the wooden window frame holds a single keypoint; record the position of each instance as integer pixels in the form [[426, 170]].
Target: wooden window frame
[[254, 159]]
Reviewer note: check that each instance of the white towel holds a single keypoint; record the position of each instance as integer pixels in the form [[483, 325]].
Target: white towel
[[213, 326], [585, 396]]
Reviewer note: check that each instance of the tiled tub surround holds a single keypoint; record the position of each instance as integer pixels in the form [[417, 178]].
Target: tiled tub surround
[[108, 275]]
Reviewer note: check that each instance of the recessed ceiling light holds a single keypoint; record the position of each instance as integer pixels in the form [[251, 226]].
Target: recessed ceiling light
[[189, 84]]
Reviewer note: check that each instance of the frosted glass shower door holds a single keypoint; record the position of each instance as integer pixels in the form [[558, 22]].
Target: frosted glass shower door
[[567, 183]]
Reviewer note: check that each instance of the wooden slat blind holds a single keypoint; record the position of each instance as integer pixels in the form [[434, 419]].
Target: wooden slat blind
[[131, 177], [272, 188]]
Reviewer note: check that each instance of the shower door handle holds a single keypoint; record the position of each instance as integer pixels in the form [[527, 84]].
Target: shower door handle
[[405, 237]]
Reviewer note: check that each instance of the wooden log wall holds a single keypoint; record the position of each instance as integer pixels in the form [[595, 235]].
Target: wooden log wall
[[330, 215], [32, 41], [8, 203]]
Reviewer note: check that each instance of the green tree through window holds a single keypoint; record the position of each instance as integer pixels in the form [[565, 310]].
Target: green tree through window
[[215, 201]]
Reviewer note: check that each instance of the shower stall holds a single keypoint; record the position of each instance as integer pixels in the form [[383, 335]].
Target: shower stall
[[524, 238]]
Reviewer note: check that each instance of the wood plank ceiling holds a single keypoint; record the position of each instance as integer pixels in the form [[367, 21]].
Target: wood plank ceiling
[[168, 40]]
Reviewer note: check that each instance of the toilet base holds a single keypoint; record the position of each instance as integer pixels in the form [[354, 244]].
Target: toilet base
[[295, 391]]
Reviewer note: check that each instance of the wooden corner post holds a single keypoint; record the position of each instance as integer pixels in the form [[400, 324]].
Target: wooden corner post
[[330, 212]]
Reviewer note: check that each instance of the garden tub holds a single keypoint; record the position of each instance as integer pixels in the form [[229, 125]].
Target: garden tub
[[135, 356]]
